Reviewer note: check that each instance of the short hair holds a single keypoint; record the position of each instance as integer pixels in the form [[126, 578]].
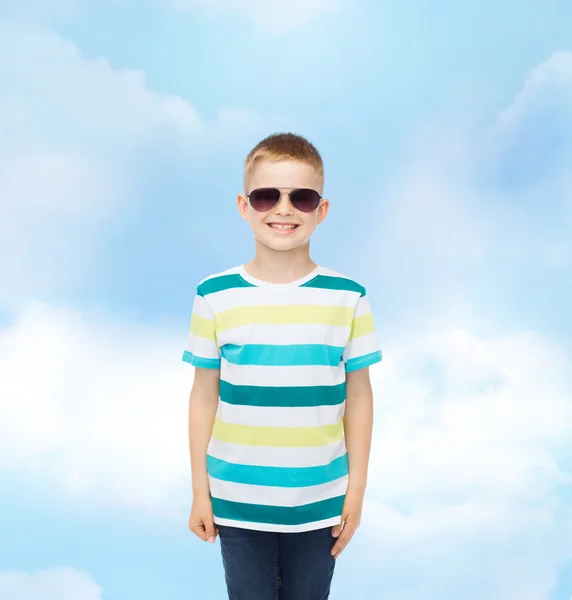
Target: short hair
[[283, 146]]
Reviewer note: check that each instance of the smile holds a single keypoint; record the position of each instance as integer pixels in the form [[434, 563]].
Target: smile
[[283, 228]]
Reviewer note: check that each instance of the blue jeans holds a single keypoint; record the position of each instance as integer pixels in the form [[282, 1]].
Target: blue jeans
[[263, 565]]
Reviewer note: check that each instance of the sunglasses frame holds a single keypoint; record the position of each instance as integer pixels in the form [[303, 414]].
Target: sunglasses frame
[[291, 189]]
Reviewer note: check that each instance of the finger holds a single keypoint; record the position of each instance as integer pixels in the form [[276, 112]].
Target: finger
[[339, 552], [336, 530], [341, 543], [199, 530], [349, 539], [210, 531]]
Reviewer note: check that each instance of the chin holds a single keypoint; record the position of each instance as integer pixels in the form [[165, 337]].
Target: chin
[[284, 247], [281, 245]]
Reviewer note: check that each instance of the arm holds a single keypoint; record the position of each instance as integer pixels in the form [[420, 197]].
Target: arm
[[203, 403], [358, 424]]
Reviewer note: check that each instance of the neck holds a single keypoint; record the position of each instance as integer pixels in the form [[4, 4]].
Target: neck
[[281, 266]]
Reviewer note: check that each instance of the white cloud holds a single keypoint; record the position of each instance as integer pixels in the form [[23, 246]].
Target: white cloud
[[472, 551], [500, 403], [470, 211], [533, 138], [48, 84], [61, 583], [73, 134], [470, 466], [278, 17], [98, 407], [547, 90]]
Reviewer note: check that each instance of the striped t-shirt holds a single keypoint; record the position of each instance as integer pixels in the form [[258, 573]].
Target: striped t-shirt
[[277, 459]]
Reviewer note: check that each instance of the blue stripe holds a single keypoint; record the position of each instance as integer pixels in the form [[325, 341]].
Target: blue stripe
[[310, 395], [328, 282], [360, 362], [221, 283], [283, 356], [203, 363], [277, 476], [279, 515]]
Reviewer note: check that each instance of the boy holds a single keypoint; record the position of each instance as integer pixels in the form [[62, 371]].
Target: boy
[[281, 348]]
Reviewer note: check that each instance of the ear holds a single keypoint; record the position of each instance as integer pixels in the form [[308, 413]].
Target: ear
[[242, 205], [323, 210]]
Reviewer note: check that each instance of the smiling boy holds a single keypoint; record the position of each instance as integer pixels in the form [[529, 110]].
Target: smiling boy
[[281, 409]]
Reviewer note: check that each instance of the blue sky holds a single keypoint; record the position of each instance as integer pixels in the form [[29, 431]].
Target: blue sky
[[446, 130]]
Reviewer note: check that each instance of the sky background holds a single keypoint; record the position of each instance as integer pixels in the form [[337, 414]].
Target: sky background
[[446, 131]]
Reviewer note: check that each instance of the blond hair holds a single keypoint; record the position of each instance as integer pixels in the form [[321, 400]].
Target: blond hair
[[283, 146]]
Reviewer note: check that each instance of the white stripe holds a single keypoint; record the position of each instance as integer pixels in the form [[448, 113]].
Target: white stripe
[[267, 456], [277, 496], [202, 347], [360, 346], [332, 273], [286, 334], [282, 376], [269, 296], [201, 308], [363, 307], [280, 528], [278, 416], [230, 271]]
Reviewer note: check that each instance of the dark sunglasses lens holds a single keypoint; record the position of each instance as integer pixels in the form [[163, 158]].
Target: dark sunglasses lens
[[264, 199], [305, 200]]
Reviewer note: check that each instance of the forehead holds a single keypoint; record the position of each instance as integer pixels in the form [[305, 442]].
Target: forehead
[[285, 173]]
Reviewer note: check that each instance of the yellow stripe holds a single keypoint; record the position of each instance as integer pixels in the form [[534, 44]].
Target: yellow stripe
[[248, 435], [284, 315], [362, 326], [202, 327]]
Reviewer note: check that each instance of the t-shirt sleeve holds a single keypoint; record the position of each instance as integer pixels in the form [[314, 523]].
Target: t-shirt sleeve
[[363, 347], [202, 349]]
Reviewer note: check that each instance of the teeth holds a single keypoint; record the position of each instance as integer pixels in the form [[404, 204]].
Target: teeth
[[277, 226]]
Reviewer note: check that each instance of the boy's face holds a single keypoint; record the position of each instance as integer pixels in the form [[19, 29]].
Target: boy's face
[[284, 175]]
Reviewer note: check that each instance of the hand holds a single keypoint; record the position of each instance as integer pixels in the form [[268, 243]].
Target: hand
[[201, 521], [351, 517]]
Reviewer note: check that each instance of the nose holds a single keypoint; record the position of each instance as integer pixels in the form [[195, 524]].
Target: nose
[[284, 206]]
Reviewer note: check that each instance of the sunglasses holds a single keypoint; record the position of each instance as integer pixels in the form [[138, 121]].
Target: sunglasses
[[304, 199]]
